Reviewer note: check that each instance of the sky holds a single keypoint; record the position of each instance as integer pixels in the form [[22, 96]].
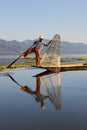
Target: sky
[[28, 19]]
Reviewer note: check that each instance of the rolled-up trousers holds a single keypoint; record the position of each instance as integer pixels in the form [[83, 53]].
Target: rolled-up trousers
[[37, 53]]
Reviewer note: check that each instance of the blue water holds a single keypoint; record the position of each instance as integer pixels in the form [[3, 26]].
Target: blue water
[[8, 59], [64, 94], [63, 55]]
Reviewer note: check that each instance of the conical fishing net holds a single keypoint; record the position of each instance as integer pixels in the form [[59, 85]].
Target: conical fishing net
[[51, 58]]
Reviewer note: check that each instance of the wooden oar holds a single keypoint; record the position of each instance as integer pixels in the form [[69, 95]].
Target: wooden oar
[[13, 62], [18, 57]]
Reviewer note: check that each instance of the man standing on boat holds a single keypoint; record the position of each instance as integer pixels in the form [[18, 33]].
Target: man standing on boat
[[36, 48]]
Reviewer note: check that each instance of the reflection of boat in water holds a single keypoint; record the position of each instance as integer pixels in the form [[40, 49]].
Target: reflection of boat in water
[[51, 83]]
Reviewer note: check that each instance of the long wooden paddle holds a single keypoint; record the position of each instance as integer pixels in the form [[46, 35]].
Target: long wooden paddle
[[18, 57], [13, 62]]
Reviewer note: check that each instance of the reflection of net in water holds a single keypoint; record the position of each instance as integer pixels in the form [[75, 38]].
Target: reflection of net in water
[[52, 85], [51, 57]]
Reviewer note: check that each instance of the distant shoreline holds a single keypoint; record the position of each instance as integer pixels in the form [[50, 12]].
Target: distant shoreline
[[7, 61], [30, 61]]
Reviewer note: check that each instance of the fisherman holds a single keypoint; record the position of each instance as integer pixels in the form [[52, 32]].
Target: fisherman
[[36, 48]]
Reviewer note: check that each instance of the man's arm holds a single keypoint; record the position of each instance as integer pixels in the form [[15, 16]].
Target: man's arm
[[48, 43]]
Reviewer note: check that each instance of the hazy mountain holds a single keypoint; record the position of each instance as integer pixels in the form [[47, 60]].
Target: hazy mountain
[[74, 48], [16, 47]]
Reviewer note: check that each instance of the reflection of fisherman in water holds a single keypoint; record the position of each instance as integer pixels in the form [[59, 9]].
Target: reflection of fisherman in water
[[37, 94], [39, 97]]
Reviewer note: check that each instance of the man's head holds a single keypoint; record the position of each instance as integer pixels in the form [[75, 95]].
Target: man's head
[[41, 38]]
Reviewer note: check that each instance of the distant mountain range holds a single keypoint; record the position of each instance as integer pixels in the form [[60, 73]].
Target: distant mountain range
[[15, 47]]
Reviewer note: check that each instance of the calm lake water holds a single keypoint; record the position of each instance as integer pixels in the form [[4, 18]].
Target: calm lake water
[[49, 102], [7, 59]]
